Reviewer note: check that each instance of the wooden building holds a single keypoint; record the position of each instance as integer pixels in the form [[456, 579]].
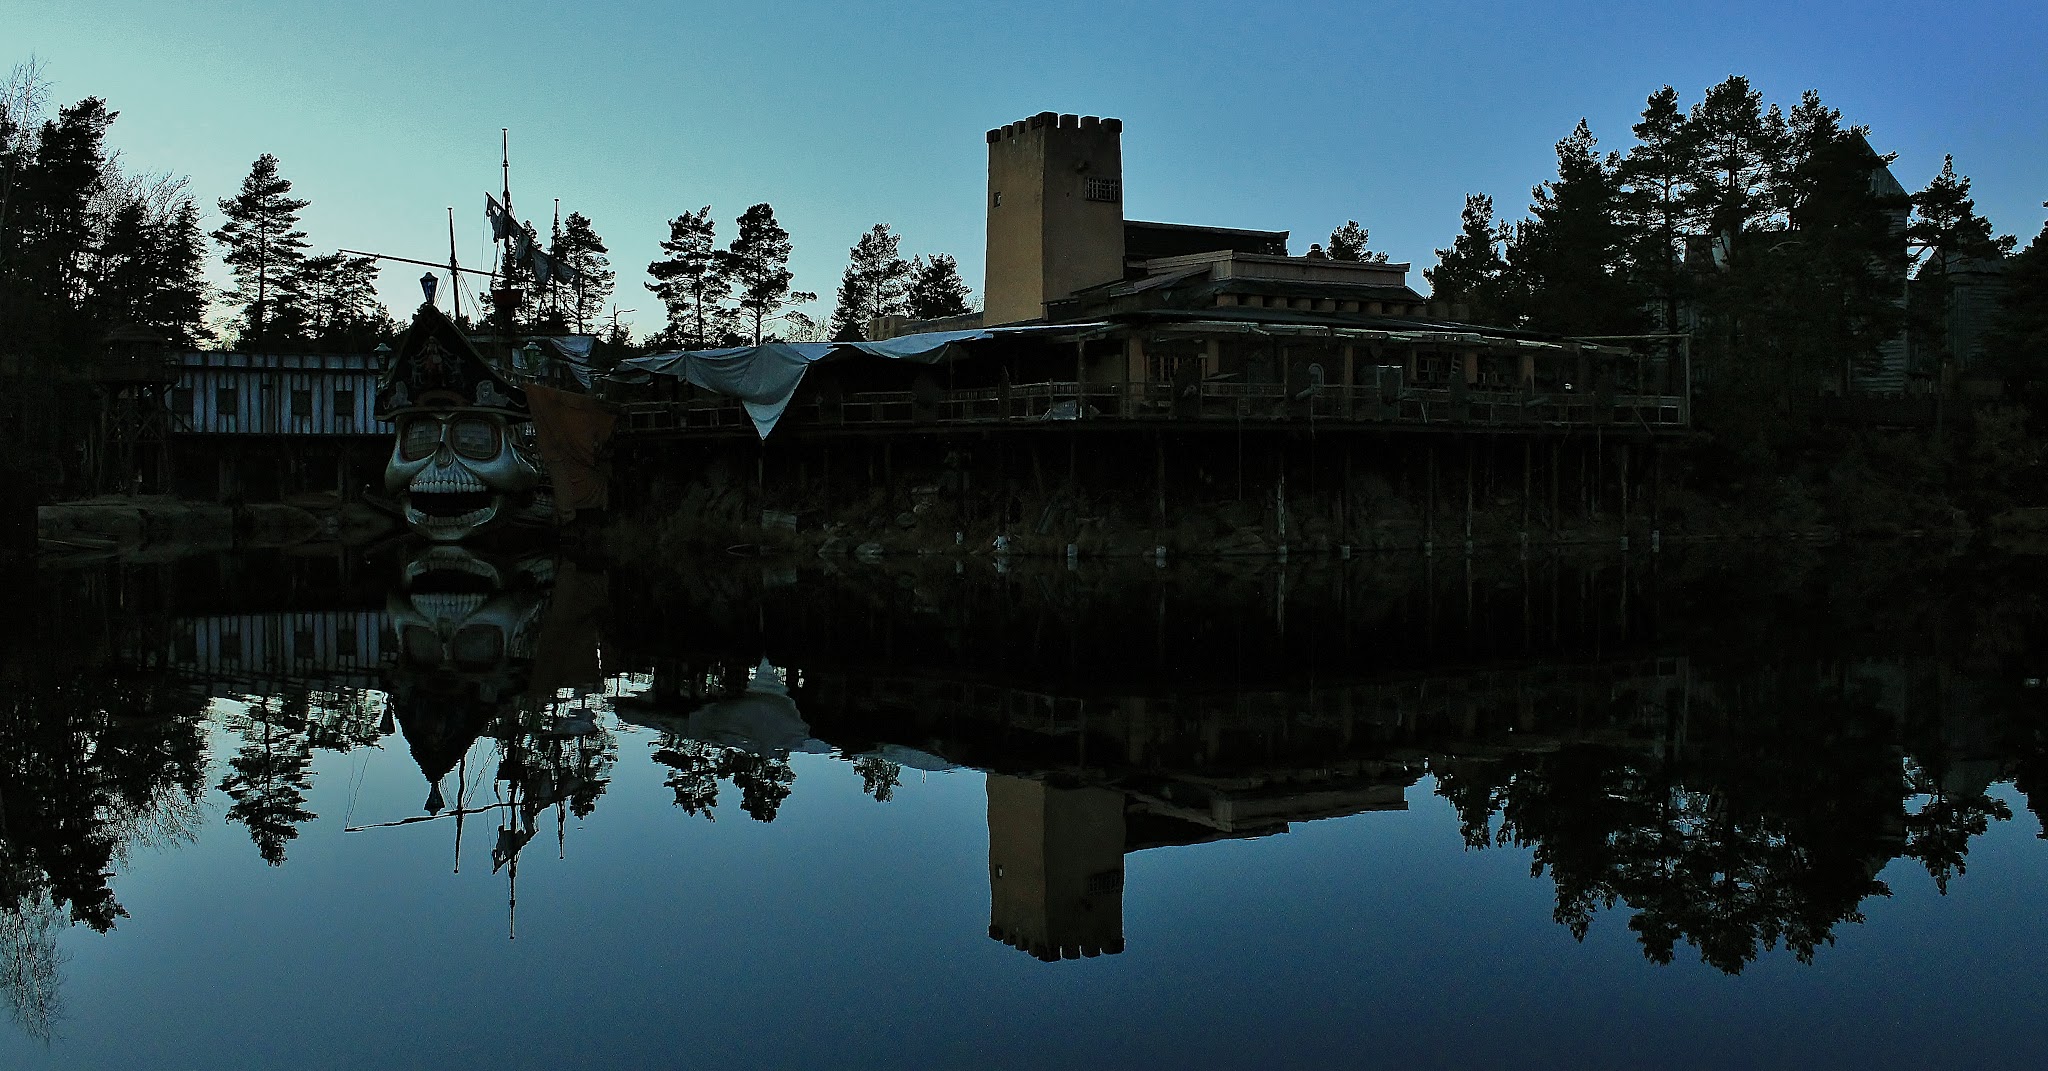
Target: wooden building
[[261, 426]]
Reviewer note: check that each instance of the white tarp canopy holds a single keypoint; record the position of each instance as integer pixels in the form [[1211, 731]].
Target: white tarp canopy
[[765, 377]]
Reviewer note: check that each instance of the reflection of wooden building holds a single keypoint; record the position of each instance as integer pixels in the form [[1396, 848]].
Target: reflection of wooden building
[[260, 426]]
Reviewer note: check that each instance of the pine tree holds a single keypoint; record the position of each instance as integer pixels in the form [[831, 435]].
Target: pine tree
[[46, 246], [1469, 272], [757, 262], [2018, 339], [147, 268], [1946, 227], [691, 285], [263, 244], [1656, 179], [1740, 150], [1349, 243], [578, 249], [936, 289], [1566, 268], [332, 303], [876, 283], [1814, 299]]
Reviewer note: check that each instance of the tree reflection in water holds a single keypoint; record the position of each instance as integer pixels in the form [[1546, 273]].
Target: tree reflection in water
[[92, 763], [1734, 791]]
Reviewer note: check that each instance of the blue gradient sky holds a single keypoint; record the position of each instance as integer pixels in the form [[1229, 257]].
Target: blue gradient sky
[[1294, 115]]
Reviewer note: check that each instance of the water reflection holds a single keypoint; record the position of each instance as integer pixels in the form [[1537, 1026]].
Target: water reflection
[[1726, 753]]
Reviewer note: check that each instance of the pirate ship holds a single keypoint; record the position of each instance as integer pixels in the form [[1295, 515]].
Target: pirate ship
[[493, 429]]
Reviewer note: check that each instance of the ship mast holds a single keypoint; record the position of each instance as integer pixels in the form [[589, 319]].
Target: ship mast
[[454, 276]]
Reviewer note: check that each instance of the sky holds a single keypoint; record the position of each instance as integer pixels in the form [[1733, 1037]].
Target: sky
[[1293, 116]]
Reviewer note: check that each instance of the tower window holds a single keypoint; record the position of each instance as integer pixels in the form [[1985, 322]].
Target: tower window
[[995, 199], [1106, 189]]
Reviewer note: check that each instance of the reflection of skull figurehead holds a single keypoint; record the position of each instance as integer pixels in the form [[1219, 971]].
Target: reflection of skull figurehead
[[458, 464], [466, 630]]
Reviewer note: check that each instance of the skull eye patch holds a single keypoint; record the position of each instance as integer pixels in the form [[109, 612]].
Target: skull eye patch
[[420, 438], [474, 438]]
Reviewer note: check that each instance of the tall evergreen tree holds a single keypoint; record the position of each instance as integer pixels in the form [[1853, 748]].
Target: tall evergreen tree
[[691, 285], [1349, 243], [1656, 178], [1469, 272], [876, 283], [757, 262], [1566, 268], [262, 243], [148, 270], [1740, 149], [578, 248], [1806, 303], [50, 234], [332, 303], [936, 289], [1947, 228], [2018, 339]]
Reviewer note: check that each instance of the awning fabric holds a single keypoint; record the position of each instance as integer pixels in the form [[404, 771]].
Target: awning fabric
[[765, 377]]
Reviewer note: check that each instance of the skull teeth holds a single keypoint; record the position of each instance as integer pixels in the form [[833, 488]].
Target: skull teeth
[[446, 480], [450, 527]]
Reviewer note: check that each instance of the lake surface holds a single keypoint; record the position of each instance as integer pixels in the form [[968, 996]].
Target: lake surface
[[433, 809]]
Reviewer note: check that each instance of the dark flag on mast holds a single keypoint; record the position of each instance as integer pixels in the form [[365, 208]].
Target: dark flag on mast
[[502, 226]]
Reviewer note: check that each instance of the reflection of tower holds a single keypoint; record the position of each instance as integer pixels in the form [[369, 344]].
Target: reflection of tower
[[1055, 868]]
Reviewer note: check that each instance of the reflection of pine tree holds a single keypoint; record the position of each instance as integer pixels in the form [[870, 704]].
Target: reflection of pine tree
[[693, 776], [1938, 835], [269, 784], [1765, 831], [593, 757], [878, 777], [343, 720], [763, 783]]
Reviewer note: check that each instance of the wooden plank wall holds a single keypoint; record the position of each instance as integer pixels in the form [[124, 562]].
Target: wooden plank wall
[[263, 389]]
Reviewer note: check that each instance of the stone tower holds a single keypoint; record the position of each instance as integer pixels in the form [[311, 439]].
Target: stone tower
[[1055, 212]]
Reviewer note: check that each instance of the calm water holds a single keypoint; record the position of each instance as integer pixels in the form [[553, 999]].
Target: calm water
[[446, 811]]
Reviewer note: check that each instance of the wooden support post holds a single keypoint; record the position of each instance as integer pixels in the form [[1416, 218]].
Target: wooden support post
[[1469, 447], [1429, 502], [1623, 461], [1556, 473], [1159, 459], [1528, 448], [1656, 486], [1350, 381], [1344, 494]]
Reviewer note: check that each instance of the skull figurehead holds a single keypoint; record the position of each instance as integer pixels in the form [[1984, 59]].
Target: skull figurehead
[[458, 465]]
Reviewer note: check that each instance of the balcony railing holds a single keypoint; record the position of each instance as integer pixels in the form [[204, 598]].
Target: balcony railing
[[1205, 403]]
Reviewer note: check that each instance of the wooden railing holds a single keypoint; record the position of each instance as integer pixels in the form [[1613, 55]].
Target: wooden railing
[[1205, 403]]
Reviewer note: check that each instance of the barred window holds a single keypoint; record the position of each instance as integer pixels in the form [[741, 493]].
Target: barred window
[[302, 403], [1105, 189]]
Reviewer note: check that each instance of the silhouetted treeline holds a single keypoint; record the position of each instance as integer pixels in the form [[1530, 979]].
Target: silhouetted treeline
[[1776, 241]]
